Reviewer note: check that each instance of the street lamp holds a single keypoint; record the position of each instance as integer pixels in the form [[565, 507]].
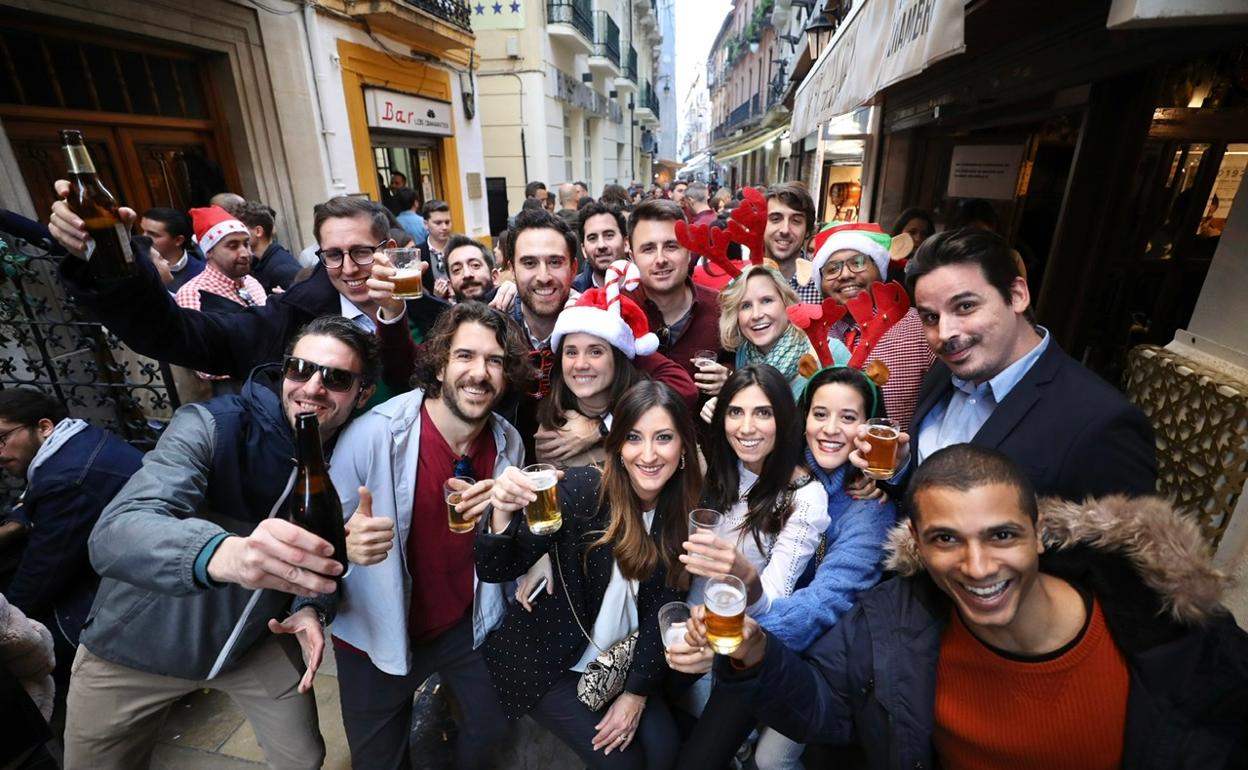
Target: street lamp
[[819, 33]]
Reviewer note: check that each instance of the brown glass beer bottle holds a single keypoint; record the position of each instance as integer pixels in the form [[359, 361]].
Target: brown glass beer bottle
[[109, 256], [314, 504]]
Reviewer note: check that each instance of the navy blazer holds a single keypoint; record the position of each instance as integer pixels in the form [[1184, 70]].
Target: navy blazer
[[1070, 431]]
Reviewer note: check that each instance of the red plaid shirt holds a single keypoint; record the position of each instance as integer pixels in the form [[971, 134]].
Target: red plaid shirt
[[216, 282], [904, 350]]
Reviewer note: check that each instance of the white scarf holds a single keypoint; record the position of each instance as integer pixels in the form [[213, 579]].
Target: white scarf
[[63, 432]]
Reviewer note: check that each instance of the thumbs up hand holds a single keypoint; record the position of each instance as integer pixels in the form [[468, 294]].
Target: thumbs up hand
[[368, 539]]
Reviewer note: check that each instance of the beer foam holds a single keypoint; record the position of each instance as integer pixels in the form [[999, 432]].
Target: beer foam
[[725, 600], [542, 480]]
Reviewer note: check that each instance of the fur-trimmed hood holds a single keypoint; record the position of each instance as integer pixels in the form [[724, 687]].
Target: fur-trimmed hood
[[1165, 547]]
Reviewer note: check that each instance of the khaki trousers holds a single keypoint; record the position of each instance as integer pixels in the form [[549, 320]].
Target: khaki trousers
[[115, 712]]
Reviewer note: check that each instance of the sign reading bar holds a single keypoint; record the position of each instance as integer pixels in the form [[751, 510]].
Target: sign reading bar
[[403, 112], [880, 43], [987, 171]]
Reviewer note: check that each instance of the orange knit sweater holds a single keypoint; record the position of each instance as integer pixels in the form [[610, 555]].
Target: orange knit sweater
[[1067, 711]]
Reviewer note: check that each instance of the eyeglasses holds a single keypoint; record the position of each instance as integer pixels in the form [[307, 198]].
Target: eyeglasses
[[300, 370], [856, 264], [463, 468], [360, 255], [4, 437]]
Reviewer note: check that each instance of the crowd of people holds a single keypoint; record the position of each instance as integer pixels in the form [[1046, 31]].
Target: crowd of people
[[1011, 593]]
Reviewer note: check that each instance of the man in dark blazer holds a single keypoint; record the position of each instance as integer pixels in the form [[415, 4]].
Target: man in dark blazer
[[1000, 381]]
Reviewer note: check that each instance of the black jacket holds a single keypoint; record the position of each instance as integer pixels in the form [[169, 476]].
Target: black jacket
[[1069, 430], [872, 678], [530, 651], [275, 267]]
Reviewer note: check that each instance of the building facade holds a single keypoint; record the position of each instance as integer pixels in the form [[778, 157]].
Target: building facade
[[568, 94], [289, 103]]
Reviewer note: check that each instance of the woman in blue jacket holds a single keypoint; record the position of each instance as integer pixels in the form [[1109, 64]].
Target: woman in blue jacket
[[834, 403]]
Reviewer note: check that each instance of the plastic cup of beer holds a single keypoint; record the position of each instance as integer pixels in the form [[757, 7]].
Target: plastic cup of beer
[[725, 613], [453, 493], [704, 358], [407, 279], [882, 435], [704, 520], [673, 619], [543, 514]]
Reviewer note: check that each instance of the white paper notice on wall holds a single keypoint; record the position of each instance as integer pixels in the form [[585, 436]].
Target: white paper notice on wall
[[984, 171]]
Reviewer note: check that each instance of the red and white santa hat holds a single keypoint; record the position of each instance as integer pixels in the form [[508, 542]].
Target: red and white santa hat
[[607, 314], [862, 237], [212, 223]]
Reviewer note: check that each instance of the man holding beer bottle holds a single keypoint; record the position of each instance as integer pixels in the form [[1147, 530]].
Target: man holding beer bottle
[[183, 545], [412, 606], [1091, 636]]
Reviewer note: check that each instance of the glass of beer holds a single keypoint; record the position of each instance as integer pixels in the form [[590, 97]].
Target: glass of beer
[[673, 617], [704, 358], [725, 613], [407, 279], [543, 514], [882, 435], [453, 493]]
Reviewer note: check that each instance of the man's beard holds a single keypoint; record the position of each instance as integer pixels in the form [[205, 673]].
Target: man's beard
[[524, 300], [469, 283], [450, 398]]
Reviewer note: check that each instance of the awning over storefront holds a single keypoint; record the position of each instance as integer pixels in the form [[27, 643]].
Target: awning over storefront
[[1130, 14], [880, 43], [697, 163], [749, 144]]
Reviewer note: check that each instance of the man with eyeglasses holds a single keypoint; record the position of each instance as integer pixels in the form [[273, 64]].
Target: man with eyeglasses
[[849, 258], [140, 312], [71, 470], [205, 583], [412, 605]]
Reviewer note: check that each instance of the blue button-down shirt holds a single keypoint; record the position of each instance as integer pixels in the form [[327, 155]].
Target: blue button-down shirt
[[958, 419]]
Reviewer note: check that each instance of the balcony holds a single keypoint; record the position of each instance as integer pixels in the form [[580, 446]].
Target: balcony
[[572, 22], [627, 81], [606, 54], [647, 104], [740, 117], [439, 27]]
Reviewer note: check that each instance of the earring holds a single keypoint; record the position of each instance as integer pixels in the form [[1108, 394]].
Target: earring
[[682, 461]]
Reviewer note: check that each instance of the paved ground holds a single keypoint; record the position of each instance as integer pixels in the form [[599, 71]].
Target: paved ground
[[206, 731]]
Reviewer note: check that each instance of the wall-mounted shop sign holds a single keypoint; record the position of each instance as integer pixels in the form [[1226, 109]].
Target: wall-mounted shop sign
[[403, 112], [984, 171], [570, 90]]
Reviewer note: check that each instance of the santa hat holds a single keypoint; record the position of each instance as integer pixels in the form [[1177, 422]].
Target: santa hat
[[607, 314], [862, 237], [213, 223]]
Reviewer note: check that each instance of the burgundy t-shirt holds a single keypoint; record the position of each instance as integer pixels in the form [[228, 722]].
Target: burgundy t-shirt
[[440, 561]]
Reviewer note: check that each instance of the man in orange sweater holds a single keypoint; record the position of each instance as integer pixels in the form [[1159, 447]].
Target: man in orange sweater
[[1092, 639]]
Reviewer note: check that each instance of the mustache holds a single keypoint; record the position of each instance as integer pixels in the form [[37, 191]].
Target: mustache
[[955, 345]]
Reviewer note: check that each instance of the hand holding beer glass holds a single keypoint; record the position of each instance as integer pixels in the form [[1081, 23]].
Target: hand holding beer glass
[[682, 655], [453, 492], [407, 280], [711, 374], [881, 448], [536, 490], [381, 286], [750, 651], [725, 613]]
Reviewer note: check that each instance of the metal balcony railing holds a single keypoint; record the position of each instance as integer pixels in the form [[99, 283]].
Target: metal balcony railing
[[606, 37], [456, 12], [630, 64], [577, 13], [647, 100]]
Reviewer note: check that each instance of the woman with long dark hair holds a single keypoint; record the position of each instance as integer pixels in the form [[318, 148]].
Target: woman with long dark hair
[[616, 562]]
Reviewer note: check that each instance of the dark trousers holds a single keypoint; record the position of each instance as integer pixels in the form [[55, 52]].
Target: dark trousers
[[654, 746], [725, 723], [377, 707]]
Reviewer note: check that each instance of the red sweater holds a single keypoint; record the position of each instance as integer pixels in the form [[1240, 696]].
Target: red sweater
[[1063, 711]]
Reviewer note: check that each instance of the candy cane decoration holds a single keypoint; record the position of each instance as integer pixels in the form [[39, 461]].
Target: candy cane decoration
[[623, 272]]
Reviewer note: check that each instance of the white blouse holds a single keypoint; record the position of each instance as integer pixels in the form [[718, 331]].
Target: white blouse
[[783, 556], [617, 617]]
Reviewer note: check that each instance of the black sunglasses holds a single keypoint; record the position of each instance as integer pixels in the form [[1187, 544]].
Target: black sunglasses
[[300, 370]]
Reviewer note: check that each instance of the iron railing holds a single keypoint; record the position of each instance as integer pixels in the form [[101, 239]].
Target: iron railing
[[630, 64], [46, 343], [577, 13], [646, 100], [606, 37], [457, 12]]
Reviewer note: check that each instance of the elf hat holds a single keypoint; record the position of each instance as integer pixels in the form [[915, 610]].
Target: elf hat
[[213, 223], [607, 314], [862, 237]]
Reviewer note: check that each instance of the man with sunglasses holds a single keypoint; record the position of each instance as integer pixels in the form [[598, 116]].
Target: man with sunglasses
[[71, 470], [412, 605], [185, 549], [849, 258]]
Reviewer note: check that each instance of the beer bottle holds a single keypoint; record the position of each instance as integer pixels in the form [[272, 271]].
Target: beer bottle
[[314, 504], [108, 254]]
